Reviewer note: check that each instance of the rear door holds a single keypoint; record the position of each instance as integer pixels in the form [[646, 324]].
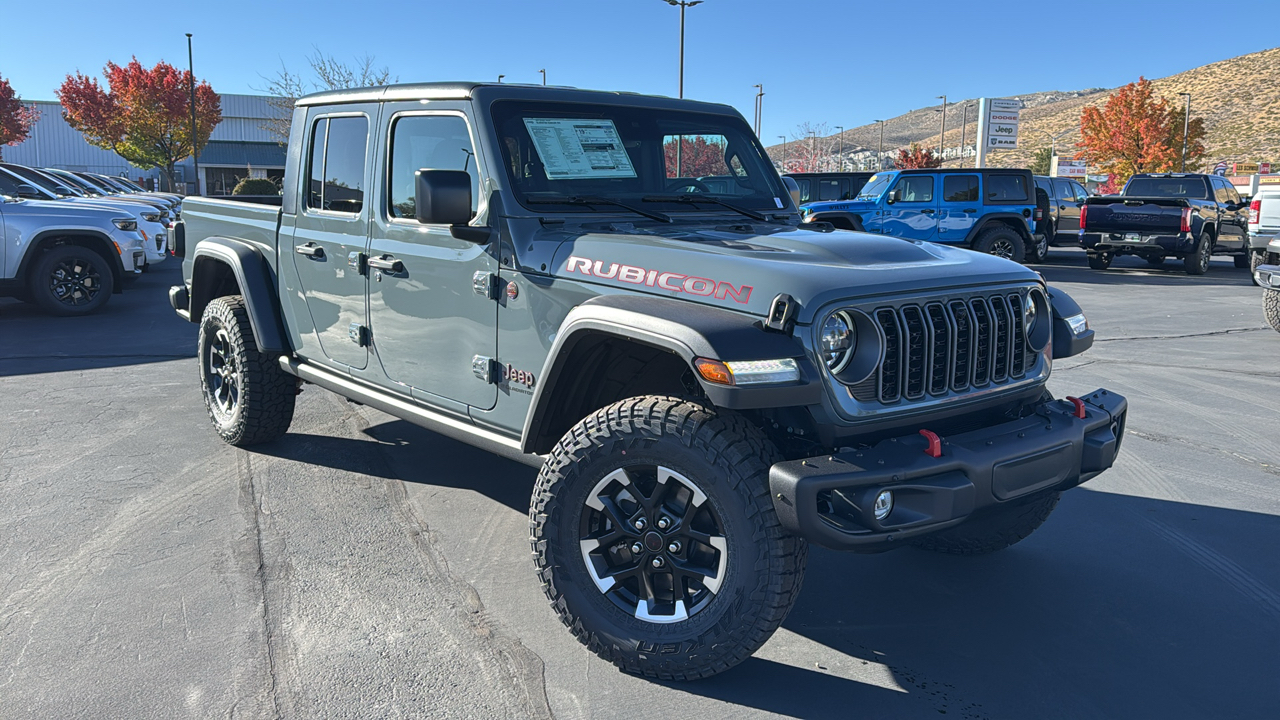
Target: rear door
[[332, 228], [914, 215], [1234, 229], [958, 207], [1065, 204]]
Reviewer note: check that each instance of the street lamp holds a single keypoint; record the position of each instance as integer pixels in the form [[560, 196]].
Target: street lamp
[[813, 151], [841, 154], [195, 154], [759, 107], [964, 125], [544, 76], [500, 77], [682, 5], [880, 149], [1186, 128], [942, 135], [783, 138], [1053, 145]]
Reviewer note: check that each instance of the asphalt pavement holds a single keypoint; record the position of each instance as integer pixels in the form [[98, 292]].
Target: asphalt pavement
[[364, 567]]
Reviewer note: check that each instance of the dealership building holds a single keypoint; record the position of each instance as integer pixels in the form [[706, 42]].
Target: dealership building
[[241, 146]]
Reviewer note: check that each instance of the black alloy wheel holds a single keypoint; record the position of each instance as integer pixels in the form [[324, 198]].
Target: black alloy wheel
[[1197, 261], [71, 280], [653, 544], [222, 375]]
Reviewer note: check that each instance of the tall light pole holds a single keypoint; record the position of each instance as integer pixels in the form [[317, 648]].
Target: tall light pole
[[544, 76], [942, 134], [1053, 146], [841, 154], [682, 5], [813, 150], [195, 154], [964, 125], [1186, 129], [759, 107], [783, 138], [880, 149]]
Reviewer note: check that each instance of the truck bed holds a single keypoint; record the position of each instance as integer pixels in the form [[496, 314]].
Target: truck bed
[[249, 218], [1149, 215]]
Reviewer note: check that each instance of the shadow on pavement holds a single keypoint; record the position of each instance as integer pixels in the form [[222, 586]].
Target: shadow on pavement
[[135, 327], [1071, 266]]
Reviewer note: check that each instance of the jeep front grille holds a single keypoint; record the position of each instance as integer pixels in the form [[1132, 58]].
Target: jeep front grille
[[941, 348]]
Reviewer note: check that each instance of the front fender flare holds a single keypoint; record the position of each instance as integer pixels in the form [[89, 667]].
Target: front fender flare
[[689, 331], [853, 219], [257, 285]]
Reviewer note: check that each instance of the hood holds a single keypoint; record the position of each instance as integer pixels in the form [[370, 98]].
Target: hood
[[68, 209], [840, 206], [744, 267]]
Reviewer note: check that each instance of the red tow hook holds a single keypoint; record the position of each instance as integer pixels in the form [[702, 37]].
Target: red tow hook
[[1079, 404], [935, 443]]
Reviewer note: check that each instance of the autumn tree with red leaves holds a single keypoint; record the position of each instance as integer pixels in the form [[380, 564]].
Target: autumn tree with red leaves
[[698, 156], [16, 119], [916, 157], [1135, 132], [144, 116]]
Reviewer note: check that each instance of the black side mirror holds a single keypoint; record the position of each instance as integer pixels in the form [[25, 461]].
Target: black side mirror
[[443, 197], [28, 191], [893, 197]]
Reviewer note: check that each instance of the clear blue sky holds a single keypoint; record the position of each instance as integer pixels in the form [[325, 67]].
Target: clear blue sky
[[843, 63]]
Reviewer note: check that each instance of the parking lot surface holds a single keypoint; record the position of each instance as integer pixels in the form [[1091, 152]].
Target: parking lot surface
[[364, 567]]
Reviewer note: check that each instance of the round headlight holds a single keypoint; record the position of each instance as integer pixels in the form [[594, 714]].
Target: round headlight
[[836, 341], [1029, 313]]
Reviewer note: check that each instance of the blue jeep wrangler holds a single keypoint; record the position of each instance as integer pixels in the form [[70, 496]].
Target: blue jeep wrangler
[[988, 210]]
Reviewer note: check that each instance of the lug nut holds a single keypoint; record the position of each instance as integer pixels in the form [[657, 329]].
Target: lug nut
[[657, 562], [664, 523], [636, 548], [674, 546], [639, 523]]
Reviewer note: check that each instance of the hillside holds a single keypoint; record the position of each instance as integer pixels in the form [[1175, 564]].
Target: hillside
[[1239, 99]]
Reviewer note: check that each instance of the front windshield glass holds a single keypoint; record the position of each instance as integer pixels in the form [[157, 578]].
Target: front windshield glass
[[96, 185], [129, 184], [1170, 187], [72, 180], [40, 180], [110, 183], [875, 187], [561, 154]]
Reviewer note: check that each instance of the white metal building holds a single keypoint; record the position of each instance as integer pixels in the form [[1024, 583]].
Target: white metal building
[[239, 147]]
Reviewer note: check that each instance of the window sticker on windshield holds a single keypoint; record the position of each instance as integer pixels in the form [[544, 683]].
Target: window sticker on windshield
[[579, 148]]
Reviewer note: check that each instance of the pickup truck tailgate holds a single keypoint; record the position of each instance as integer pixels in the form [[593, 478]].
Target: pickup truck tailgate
[[1148, 215]]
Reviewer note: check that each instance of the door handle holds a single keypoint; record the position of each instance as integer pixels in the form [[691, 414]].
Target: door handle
[[927, 211], [971, 210], [310, 250], [386, 262]]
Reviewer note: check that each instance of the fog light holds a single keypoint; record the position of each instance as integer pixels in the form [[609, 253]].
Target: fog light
[[884, 504]]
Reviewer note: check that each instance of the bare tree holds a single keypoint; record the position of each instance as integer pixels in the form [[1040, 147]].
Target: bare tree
[[327, 73]]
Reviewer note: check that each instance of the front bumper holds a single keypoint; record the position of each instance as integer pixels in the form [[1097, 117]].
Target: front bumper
[[829, 500], [1268, 276]]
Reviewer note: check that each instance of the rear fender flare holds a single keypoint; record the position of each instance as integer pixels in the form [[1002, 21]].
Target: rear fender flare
[[1019, 226], [685, 329], [257, 285]]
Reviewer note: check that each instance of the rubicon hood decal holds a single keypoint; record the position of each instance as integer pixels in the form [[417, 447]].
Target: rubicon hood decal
[[666, 280]]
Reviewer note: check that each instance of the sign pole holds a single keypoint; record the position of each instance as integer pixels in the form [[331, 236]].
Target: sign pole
[[981, 141]]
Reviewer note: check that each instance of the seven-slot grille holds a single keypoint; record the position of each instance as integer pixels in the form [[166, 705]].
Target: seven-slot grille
[[935, 348]]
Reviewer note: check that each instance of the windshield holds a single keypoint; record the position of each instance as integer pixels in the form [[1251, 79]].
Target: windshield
[[1170, 187], [69, 179], [557, 152], [110, 183], [96, 185], [129, 184], [875, 187], [40, 180]]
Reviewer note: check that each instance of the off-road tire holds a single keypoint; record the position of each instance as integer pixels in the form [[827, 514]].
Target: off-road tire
[[1038, 250], [1256, 260], [1197, 261], [1242, 261], [999, 240], [1271, 306], [265, 393], [729, 460], [994, 528], [1101, 261], [41, 281]]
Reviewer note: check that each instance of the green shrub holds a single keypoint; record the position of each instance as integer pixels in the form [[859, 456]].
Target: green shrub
[[256, 186]]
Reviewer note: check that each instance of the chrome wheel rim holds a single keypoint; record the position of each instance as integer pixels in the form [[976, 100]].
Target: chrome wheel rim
[[653, 544], [222, 374], [75, 282]]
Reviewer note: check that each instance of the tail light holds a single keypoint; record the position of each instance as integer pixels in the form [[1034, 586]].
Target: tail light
[[1084, 213], [1186, 220], [1255, 209], [1039, 214]]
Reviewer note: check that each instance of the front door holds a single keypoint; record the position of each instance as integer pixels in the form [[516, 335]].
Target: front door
[[914, 215], [429, 321], [958, 209], [331, 230], [1068, 206]]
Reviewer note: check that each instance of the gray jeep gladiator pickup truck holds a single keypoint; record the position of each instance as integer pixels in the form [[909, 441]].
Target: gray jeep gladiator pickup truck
[[706, 385]]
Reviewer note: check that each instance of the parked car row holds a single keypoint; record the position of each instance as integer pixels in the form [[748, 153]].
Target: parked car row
[[72, 239]]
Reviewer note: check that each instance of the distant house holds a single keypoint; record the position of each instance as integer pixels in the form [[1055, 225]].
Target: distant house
[[240, 147]]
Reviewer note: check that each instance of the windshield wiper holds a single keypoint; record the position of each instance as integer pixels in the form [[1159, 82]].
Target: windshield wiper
[[591, 200], [706, 199]]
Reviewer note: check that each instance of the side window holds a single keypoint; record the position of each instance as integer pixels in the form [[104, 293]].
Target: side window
[[846, 189], [1232, 195], [8, 186], [828, 189], [1065, 191], [960, 188], [1002, 189], [336, 179], [915, 188], [806, 192], [427, 142]]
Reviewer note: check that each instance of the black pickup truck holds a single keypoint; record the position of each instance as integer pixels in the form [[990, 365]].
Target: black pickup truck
[[1187, 216]]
